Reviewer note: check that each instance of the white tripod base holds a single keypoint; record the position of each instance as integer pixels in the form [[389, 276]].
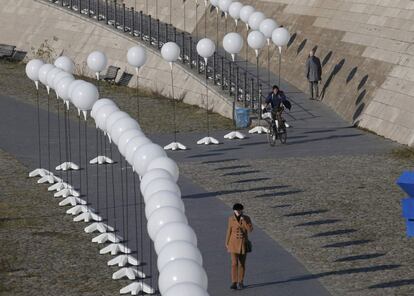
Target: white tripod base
[[123, 260], [47, 179], [101, 227], [67, 166], [101, 160], [38, 172], [208, 141], [234, 135], [259, 130], [59, 186], [67, 192], [136, 288], [175, 146], [105, 237], [77, 209], [131, 273], [87, 217], [73, 201], [114, 249]]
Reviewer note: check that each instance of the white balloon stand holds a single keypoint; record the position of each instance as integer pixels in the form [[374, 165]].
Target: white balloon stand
[[73, 201], [98, 226], [175, 146], [259, 130], [78, 209], [208, 141], [87, 217], [115, 249], [67, 192], [67, 166], [100, 159], [38, 172], [49, 178], [234, 135], [137, 287], [124, 260], [59, 186], [106, 237], [131, 273]]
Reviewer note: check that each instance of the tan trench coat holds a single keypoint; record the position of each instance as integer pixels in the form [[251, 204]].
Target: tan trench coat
[[237, 234]]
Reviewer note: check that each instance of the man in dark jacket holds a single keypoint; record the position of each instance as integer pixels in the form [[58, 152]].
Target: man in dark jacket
[[313, 74], [277, 99]]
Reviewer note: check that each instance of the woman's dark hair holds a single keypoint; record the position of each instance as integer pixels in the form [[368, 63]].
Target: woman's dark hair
[[238, 207], [275, 86]]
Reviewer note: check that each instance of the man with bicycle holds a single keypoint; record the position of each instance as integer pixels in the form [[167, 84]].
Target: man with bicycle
[[277, 99]]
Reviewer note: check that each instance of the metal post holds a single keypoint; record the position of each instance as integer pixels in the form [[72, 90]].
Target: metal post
[[133, 21], [97, 10], [123, 17], [149, 29], [80, 7], [89, 8], [237, 82], [245, 88], [71, 4], [229, 79], [251, 93], [222, 72], [166, 32], [158, 34], [175, 34], [141, 25], [191, 51], [183, 47], [198, 62], [116, 16], [61, 3], [106, 12], [214, 68]]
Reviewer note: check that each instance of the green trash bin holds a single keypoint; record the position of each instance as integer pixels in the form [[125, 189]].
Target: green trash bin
[[242, 117]]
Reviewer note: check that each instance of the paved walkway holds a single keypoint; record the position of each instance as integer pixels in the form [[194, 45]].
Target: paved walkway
[[272, 270]]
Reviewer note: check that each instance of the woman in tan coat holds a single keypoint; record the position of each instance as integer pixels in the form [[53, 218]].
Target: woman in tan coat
[[238, 244]]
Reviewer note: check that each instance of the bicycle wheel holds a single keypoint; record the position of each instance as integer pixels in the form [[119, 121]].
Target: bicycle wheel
[[282, 135], [271, 136]]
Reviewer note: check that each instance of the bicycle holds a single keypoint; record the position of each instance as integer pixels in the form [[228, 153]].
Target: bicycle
[[277, 131]]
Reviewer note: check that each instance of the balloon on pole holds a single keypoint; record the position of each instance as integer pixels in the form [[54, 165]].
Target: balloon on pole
[[233, 43], [64, 63], [234, 11], [32, 70], [97, 62], [255, 19], [245, 13]]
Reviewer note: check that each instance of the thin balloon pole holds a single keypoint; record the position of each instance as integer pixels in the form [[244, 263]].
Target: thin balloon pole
[[97, 169], [79, 150], [247, 51], [156, 9], [196, 18], [268, 61], [48, 132], [170, 11], [59, 134], [70, 147], [205, 20], [113, 188], [136, 217], [122, 198], [208, 121], [146, 7], [66, 140], [86, 161], [174, 103], [38, 128], [280, 63], [217, 27], [137, 94], [258, 88]]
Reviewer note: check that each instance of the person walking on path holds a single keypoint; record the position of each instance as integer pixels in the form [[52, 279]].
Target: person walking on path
[[238, 244], [313, 74]]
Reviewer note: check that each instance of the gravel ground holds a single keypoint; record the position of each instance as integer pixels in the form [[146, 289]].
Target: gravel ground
[[156, 111], [43, 252], [340, 216]]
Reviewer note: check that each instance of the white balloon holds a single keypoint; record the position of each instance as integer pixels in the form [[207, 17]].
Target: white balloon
[[234, 10], [182, 271], [133, 145], [215, 3], [170, 52], [186, 289], [151, 175], [165, 163], [126, 137], [206, 48], [32, 69], [122, 125], [224, 5], [280, 37], [245, 12], [72, 87], [255, 19], [51, 75], [103, 113], [63, 87], [59, 76], [177, 250], [114, 117], [144, 155], [65, 64], [160, 185], [137, 56], [172, 232], [233, 43], [163, 216], [97, 61], [84, 96], [43, 70], [163, 199], [256, 40], [267, 27], [98, 104]]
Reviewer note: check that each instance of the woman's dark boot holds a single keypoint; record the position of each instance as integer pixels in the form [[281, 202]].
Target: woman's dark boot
[[233, 286]]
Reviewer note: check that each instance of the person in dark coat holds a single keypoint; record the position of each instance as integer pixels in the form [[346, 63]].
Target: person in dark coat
[[313, 74], [237, 244], [277, 100]]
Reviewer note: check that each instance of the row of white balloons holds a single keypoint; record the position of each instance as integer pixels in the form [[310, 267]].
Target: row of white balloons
[[179, 260], [262, 28]]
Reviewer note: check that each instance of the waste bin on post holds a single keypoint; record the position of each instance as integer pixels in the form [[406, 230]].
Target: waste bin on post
[[242, 116]]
